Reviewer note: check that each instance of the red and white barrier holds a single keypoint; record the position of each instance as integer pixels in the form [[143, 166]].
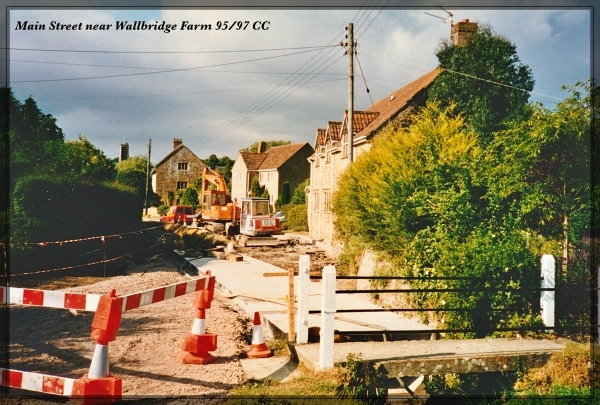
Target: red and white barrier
[[98, 384], [48, 384], [155, 295], [51, 299]]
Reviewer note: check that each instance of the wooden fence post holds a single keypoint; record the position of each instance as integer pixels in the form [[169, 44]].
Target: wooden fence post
[[547, 298], [303, 297], [291, 307], [327, 317]]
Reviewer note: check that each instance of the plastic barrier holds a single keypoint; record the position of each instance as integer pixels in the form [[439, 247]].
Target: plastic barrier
[[98, 386], [51, 299]]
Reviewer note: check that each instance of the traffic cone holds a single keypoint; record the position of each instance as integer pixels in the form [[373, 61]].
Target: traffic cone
[[198, 343], [259, 349]]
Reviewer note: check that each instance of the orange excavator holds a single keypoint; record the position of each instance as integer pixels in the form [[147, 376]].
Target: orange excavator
[[217, 209], [250, 222]]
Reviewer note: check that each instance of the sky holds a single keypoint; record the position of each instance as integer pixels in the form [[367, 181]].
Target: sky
[[279, 77]]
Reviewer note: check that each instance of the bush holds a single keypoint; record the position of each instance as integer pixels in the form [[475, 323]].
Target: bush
[[297, 218], [162, 209], [55, 208]]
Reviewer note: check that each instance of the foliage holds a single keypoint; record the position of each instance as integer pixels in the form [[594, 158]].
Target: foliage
[[82, 159], [162, 209], [550, 381], [270, 144], [297, 218], [257, 190], [222, 165], [284, 196], [362, 381], [299, 196], [387, 192], [58, 189], [304, 388], [189, 196], [36, 141], [490, 57], [57, 208], [422, 195], [134, 172], [545, 163]]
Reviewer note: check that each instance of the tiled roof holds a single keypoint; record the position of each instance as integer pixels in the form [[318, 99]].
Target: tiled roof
[[360, 120], [320, 140], [333, 129], [253, 160], [278, 155], [173, 152], [390, 105]]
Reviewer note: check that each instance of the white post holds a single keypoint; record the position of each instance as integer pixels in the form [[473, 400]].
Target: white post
[[547, 297], [303, 297], [327, 317]]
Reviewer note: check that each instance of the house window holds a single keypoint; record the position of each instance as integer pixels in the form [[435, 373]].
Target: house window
[[262, 177], [181, 185], [316, 201], [327, 201], [182, 166], [239, 175]]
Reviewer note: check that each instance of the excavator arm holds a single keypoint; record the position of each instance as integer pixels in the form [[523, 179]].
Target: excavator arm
[[209, 177]]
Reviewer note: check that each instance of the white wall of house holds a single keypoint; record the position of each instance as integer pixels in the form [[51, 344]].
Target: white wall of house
[[239, 178], [270, 180]]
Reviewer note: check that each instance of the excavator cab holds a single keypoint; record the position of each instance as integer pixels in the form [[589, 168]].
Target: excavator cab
[[256, 218]]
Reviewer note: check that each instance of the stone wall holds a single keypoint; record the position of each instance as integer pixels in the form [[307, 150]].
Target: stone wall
[[168, 173]]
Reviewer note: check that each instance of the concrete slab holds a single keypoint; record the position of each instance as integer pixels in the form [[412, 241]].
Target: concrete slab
[[274, 368], [416, 357]]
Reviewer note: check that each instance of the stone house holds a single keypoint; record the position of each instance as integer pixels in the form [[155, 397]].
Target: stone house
[[273, 167], [331, 143], [176, 171]]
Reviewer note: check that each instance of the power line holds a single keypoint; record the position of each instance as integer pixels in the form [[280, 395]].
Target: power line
[[172, 94], [162, 71], [259, 106], [164, 52]]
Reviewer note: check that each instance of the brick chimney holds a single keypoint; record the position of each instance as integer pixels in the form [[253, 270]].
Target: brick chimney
[[462, 32], [262, 147], [177, 142], [124, 155]]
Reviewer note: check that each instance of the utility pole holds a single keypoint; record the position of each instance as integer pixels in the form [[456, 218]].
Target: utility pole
[[147, 176], [350, 122]]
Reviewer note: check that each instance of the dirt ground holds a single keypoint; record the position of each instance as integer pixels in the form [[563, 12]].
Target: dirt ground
[[57, 342]]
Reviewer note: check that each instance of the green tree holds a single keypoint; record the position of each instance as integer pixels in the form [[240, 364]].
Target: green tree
[[256, 189], [82, 159], [487, 104], [189, 196], [284, 197], [544, 162], [270, 144], [133, 172], [35, 139], [421, 196], [299, 196]]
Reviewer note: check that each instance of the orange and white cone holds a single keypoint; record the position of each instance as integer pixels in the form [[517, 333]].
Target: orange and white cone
[[198, 343], [259, 349]]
